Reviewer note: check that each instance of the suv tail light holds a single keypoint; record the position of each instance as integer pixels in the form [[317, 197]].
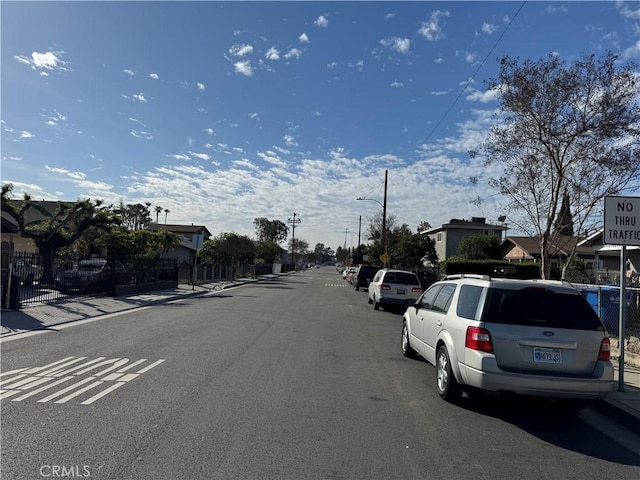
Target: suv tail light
[[478, 339], [384, 287], [416, 290], [605, 350]]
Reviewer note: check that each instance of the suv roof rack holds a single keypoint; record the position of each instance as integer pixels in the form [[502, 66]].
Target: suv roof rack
[[467, 275]]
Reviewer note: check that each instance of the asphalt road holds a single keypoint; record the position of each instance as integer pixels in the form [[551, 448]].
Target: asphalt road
[[293, 378]]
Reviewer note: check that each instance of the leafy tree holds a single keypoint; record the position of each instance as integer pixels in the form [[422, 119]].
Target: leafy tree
[[375, 231], [410, 250], [300, 246], [565, 128], [270, 230], [322, 253], [138, 243], [135, 216], [228, 248], [563, 224], [56, 229], [342, 254], [479, 247]]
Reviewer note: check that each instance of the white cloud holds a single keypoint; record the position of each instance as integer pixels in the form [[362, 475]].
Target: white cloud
[[432, 30], [68, 173], [244, 68], [131, 73], [471, 57], [628, 12], [179, 157], [400, 45], [155, 76], [201, 86], [241, 50], [439, 60], [484, 97], [210, 131], [633, 51], [321, 21], [43, 61], [439, 93], [254, 116], [272, 54], [553, 9], [272, 158], [142, 135], [290, 141], [332, 65], [293, 53], [139, 97], [389, 16], [488, 28], [25, 134], [397, 84], [201, 156], [303, 38]]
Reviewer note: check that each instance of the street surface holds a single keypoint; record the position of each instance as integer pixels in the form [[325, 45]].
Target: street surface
[[291, 378]]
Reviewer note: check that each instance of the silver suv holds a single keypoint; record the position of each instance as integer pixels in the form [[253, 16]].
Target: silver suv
[[530, 337]]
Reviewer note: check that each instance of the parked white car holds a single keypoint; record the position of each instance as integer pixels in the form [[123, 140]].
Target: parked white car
[[529, 337], [394, 287]]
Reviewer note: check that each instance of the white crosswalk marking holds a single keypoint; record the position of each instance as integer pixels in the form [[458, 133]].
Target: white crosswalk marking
[[79, 376]]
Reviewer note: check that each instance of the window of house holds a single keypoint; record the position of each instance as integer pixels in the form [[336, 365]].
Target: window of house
[[439, 237]]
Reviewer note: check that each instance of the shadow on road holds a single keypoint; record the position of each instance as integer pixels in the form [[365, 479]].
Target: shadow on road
[[551, 423]]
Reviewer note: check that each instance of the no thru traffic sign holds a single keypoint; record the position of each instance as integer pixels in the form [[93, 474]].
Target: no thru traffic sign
[[622, 221]]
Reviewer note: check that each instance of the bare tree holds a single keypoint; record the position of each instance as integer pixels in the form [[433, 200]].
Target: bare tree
[[564, 128]]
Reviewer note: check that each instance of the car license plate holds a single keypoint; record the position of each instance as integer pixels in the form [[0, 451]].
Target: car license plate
[[401, 292], [547, 355]]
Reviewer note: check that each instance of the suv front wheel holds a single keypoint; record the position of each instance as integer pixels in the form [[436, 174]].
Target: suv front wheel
[[448, 387]]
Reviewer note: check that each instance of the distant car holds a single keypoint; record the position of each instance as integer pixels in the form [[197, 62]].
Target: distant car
[[394, 287], [27, 271], [90, 275], [531, 337], [363, 276]]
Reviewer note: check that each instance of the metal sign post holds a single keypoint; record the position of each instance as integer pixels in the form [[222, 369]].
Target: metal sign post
[[622, 227]]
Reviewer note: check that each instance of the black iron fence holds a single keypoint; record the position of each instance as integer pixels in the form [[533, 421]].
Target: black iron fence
[[30, 278]]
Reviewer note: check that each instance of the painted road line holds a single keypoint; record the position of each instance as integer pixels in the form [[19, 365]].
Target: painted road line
[[59, 368], [56, 364], [65, 390], [97, 365], [7, 383], [128, 377], [134, 364], [79, 392], [146, 369], [118, 364], [106, 391], [41, 389], [79, 367]]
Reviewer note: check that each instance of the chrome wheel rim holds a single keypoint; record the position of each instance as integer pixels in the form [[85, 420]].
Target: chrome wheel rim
[[443, 377], [405, 338]]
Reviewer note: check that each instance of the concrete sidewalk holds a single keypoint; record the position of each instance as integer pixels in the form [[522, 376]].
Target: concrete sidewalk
[[621, 406]]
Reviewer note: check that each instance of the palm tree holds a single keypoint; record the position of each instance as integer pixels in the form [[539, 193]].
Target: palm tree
[[158, 210], [165, 215]]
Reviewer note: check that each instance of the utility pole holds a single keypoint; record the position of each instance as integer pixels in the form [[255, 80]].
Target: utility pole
[[359, 232], [294, 221], [384, 216]]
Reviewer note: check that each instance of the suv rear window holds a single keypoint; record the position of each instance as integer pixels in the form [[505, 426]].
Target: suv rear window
[[541, 307], [368, 271], [401, 278]]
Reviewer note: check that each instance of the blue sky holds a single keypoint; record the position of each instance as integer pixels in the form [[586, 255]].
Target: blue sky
[[221, 112]]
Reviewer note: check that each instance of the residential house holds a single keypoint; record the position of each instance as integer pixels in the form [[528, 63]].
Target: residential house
[[606, 263], [447, 237], [191, 238], [527, 249]]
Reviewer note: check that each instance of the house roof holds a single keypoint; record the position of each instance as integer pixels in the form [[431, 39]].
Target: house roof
[[561, 245], [476, 223], [176, 228]]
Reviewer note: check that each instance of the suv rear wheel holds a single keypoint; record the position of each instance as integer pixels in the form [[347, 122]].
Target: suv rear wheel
[[448, 387]]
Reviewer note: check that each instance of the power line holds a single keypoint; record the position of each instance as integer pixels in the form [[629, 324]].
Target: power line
[[473, 76]]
